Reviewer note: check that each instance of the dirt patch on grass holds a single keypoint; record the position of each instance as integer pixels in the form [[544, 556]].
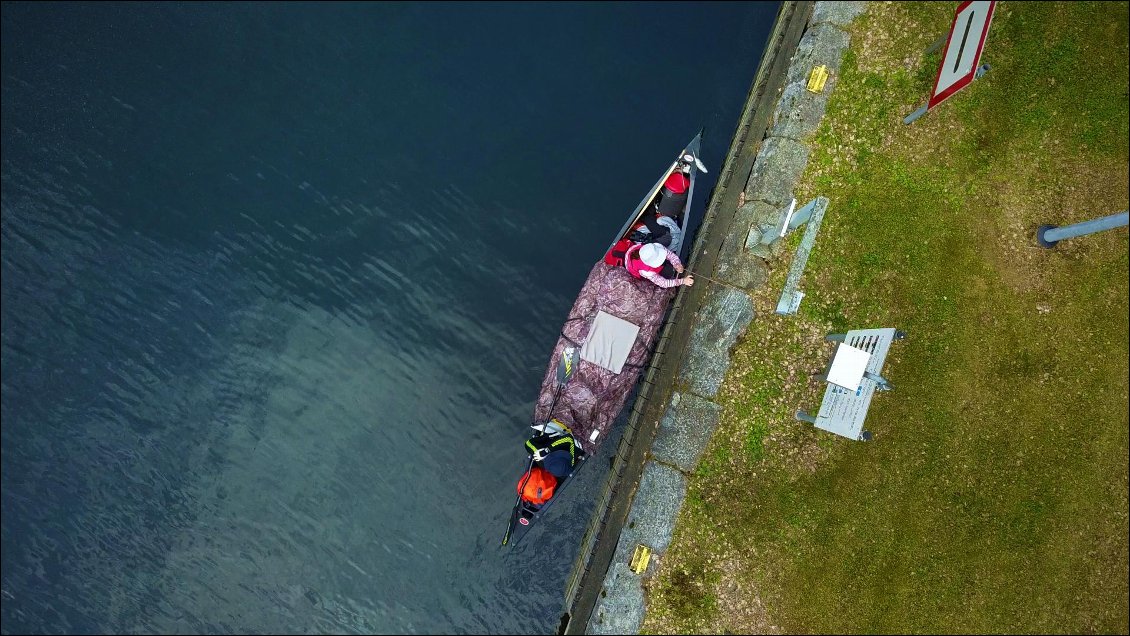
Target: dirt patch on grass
[[1054, 189], [742, 607], [888, 39]]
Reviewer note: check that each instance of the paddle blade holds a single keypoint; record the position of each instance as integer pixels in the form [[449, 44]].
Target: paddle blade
[[567, 365], [698, 164]]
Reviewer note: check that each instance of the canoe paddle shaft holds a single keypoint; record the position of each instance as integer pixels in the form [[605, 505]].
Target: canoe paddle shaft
[[566, 367]]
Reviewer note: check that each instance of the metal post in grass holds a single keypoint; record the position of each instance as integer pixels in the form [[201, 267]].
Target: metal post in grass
[[811, 213], [1048, 235], [961, 58]]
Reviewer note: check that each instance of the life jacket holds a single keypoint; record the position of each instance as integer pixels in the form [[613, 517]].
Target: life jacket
[[539, 446], [615, 256], [537, 485], [673, 195], [635, 265]]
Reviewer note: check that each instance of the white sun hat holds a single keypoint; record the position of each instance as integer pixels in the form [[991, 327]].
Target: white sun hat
[[653, 254]]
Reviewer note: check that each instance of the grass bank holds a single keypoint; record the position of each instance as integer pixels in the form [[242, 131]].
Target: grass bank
[[994, 495]]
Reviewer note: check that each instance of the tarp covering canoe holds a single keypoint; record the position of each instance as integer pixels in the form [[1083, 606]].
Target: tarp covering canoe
[[594, 397]]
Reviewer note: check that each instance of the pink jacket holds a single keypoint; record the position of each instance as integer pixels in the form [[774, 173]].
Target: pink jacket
[[631, 258]]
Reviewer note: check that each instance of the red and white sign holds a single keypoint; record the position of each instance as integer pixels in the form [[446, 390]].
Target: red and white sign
[[962, 55]]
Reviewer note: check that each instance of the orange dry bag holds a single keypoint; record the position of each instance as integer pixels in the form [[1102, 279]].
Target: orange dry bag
[[538, 487]]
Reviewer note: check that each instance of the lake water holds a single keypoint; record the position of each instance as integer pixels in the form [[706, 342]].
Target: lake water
[[279, 286]]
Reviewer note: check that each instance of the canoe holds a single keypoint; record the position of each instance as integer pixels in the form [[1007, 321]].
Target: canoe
[[596, 361]]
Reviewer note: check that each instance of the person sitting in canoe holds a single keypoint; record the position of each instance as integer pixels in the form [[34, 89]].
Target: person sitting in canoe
[[662, 224], [658, 228], [673, 195], [648, 260], [536, 487], [554, 454]]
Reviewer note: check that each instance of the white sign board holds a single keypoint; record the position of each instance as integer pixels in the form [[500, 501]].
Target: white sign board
[[963, 49], [848, 366]]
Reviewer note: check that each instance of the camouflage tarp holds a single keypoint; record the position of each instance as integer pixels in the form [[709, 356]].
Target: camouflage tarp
[[594, 396]]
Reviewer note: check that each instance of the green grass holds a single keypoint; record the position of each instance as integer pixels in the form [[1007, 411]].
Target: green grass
[[995, 495]]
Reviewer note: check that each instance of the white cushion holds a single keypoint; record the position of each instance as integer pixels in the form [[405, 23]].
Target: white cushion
[[610, 341]]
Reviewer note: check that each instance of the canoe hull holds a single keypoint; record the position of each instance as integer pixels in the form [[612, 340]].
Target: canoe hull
[[593, 396]]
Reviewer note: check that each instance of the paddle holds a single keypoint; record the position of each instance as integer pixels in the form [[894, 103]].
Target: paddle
[[566, 367]]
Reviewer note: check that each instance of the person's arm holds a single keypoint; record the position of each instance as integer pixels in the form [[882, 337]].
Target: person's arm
[[665, 283], [673, 258]]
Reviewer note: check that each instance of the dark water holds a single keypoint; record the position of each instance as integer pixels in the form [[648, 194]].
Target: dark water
[[279, 283]]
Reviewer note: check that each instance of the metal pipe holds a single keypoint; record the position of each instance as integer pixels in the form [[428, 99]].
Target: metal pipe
[[915, 115], [1049, 235], [937, 45]]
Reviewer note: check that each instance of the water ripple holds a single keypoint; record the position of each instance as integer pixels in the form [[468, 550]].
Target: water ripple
[[271, 331]]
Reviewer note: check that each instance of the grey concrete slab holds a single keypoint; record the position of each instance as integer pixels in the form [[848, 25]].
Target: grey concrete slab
[[779, 165], [725, 314], [799, 111], [685, 430], [837, 13], [749, 221], [620, 608], [752, 212], [821, 44], [657, 502], [744, 268], [735, 264]]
